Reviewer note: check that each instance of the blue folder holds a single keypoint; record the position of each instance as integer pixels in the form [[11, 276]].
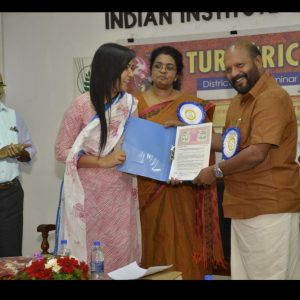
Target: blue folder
[[147, 146]]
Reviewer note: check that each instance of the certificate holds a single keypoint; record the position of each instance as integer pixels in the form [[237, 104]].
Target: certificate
[[161, 153], [192, 151]]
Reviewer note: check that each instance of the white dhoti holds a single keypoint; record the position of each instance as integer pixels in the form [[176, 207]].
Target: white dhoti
[[266, 247]]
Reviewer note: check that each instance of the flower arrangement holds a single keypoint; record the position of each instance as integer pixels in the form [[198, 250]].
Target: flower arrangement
[[54, 268]]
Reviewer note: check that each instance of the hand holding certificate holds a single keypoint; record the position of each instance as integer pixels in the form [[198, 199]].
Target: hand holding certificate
[[163, 153]]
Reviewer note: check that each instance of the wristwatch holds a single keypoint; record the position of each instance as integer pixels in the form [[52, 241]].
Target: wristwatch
[[218, 172]]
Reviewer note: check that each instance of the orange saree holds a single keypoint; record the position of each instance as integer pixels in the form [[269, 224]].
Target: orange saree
[[180, 224]]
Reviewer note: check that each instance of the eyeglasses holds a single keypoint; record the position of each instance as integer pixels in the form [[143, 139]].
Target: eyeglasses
[[159, 66]]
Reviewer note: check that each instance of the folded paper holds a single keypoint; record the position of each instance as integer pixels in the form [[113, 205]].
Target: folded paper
[[133, 271], [161, 153]]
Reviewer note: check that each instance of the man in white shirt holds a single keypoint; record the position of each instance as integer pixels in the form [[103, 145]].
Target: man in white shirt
[[15, 146]]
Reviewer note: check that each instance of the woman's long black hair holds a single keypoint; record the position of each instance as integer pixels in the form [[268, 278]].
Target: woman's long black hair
[[109, 61]]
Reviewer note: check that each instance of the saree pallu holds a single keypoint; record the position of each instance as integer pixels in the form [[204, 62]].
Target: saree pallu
[[180, 224], [101, 203]]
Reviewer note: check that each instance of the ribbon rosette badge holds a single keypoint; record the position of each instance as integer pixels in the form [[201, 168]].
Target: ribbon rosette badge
[[230, 144], [191, 113]]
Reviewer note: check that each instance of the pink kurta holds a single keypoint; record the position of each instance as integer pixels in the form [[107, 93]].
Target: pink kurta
[[110, 208]]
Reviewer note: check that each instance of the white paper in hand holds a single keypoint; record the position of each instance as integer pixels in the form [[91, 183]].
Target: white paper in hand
[[133, 271]]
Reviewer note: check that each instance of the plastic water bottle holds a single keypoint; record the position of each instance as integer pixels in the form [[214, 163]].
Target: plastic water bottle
[[208, 277], [97, 262], [64, 250]]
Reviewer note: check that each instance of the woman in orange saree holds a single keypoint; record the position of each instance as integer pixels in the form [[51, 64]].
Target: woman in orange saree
[[180, 223]]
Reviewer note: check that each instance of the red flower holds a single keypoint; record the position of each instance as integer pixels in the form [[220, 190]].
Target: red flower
[[68, 264], [84, 269], [58, 268], [37, 270]]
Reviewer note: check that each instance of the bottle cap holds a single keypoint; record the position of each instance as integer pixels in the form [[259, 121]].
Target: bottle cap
[[96, 243], [208, 277], [64, 242]]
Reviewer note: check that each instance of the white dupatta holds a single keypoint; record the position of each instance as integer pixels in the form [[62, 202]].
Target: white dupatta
[[72, 218]]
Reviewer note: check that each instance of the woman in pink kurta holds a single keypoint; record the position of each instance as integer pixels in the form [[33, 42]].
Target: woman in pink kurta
[[100, 203]]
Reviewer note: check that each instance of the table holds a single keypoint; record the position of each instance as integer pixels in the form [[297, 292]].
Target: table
[[9, 266]]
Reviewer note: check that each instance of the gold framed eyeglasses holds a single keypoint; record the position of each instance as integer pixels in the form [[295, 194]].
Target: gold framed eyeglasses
[[168, 67]]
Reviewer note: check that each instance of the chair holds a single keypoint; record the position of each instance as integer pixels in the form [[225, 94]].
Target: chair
[[44, 229]]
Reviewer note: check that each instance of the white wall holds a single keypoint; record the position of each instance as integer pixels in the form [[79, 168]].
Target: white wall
[[1, 47], [38, 51]]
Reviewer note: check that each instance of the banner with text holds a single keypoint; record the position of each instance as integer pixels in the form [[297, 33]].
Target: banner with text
[[203, 73], [204, 67]]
